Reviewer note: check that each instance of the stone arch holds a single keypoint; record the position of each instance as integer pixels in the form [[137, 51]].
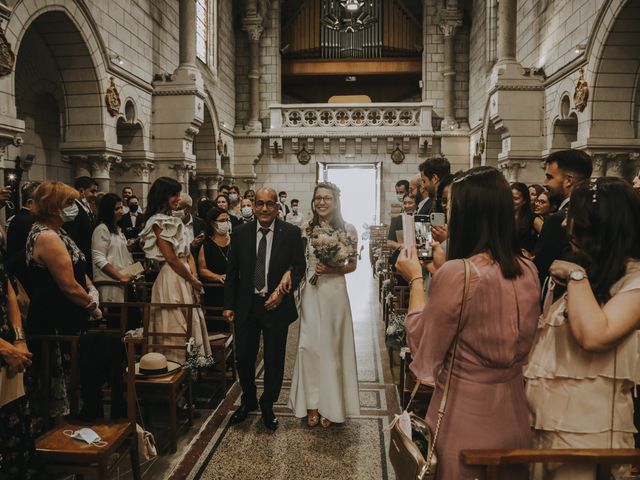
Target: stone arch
[[613, 53], [564, 126], [74, 42]]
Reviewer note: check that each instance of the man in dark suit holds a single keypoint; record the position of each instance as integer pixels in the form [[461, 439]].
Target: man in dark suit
[[17, 233], [432, 170], [81, 228], [132, 223], [261, 253], [565, 169]]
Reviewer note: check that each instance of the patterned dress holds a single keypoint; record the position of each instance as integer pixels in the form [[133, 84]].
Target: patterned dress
[[17, 447]]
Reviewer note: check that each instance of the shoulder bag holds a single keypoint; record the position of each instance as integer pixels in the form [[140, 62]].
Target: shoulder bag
[[415, 458]]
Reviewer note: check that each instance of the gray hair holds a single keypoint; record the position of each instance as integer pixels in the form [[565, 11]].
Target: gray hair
[[186, 199]]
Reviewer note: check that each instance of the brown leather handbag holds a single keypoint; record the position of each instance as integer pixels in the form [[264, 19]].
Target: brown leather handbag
[[415, 458]]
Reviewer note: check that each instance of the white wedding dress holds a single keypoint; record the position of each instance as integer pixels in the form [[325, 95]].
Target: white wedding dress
[[325, 376]]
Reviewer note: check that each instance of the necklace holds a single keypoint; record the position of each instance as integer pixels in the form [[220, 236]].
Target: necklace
[[226, 257]]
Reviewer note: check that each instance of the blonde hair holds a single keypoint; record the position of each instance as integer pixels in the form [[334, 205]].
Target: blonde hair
[[50, 198]]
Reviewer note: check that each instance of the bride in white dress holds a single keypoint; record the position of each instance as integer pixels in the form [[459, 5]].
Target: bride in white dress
[[324, 387]]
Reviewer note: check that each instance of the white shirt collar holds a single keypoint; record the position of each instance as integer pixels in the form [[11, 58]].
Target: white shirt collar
[[270, 227], [564, 202]]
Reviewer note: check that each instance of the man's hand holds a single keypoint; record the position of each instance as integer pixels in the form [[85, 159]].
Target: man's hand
[[273, 301], [285, 284], [228, 315]]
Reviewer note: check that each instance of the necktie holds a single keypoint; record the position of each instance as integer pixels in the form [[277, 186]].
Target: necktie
[[261, 261]]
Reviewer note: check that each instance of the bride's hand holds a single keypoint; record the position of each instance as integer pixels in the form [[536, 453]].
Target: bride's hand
[[322, 268]]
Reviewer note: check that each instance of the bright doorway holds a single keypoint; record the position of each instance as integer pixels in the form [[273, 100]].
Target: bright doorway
[[359, 190]]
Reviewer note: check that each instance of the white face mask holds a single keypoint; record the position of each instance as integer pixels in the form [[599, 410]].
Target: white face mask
[[178, 214], [400, 197], [294, 209], [223, 228], [69, 213], [86, 435], [233, 197], [247, 212], [283, 199]]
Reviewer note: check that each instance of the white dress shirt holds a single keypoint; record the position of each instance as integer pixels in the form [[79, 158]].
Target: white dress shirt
[[188, 230], [269, 235]]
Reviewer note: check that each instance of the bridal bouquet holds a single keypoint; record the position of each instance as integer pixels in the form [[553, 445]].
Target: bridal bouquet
[[331, 247]]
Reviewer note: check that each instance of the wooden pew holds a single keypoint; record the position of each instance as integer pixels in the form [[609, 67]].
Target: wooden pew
[[63, 455], [601, 459]]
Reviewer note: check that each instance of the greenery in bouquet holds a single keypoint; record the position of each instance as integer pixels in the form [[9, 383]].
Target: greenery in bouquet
[[333, 248], [395, 333], [196, 360]]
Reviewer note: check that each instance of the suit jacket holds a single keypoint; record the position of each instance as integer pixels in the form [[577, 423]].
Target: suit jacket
[[427, 208], [395, 225], [287, 252], [553, 243], [127, 227], [81, 231], [17, 234]]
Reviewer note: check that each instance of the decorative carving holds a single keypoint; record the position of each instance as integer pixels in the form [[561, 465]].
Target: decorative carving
[[342, 145], [405, 144], [303, 155], [101, 165], [449, 20], [253, 26], [510, 168], [276, 147], [112, 99], [294, 145], [7, 57], [374, 145], [358, 145], [219, 144], [326, 145], [311, 145], [480, 144], [390, 144], [581, 94], [397, 156], [143, 170]]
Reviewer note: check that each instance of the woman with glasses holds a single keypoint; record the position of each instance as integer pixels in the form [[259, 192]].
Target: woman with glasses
[[487, 406], [542, 208], [324, 387]]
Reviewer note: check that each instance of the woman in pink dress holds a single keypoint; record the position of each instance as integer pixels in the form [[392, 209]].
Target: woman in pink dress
[[487, 406]]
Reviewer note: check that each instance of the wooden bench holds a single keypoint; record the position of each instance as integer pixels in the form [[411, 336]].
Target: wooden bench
[[601, 459]]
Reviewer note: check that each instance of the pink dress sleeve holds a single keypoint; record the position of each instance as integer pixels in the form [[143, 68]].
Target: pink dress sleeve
[[430, 333]]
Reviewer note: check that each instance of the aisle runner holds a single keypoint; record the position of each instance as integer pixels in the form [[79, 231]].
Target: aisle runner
[[355, 450]]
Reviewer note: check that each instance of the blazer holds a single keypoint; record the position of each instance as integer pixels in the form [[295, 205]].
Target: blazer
[[127, 225], [553, 243], [287, 253], [428, 207], [394, 226], [81, 230], [17, 234]]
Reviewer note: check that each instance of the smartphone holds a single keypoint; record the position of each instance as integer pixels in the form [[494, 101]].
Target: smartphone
[[437, 219], [423, 237]]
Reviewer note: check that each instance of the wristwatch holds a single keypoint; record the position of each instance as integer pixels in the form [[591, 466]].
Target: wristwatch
[[577, 275]]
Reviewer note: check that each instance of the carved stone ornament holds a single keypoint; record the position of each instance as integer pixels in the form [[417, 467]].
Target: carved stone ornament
[[112, 99], [480, 144], [219, 144], [581, 95], [7, 57], [397, 156], [303, 155]]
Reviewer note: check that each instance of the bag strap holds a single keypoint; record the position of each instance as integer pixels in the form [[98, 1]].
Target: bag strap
[[613, 394], [445, 394]]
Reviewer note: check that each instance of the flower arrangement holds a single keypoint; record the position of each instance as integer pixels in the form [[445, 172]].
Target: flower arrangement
[[195, 360], [332, 247], [395, 333]]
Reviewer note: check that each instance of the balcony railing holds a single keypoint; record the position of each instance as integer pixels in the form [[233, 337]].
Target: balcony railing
[[338, 119]]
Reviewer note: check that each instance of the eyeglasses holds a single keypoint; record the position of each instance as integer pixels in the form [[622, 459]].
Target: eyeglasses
[[326, 199], [269, 204]]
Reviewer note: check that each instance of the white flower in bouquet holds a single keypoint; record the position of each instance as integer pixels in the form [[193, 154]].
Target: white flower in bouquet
[[331, 247]]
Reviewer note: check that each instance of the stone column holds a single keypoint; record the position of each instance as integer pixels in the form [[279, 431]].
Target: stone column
[[101, 170], [507, 28], [252, 24], [182, 172], [450, 21], [188, 33]]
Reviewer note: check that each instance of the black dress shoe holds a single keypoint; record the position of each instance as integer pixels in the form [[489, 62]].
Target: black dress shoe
[[241, 414], [270, 421]]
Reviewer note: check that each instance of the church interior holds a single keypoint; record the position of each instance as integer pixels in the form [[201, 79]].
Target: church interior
[[284, 94]]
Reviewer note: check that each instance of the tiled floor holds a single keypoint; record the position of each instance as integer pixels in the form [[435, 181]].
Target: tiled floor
[[212, 449]]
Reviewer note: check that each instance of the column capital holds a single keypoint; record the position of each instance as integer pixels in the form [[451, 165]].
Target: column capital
[[253, 26], [449, 20]]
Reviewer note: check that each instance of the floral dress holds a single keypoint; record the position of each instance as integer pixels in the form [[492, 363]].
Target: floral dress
[[17, 446]]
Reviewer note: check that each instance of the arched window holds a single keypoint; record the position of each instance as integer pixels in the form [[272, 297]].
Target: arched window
[[202, 30]]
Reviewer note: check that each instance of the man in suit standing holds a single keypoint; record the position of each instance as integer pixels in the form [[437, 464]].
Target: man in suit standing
[[17, 233], [132, 222], [261, 253], [565, 169], [432, 171], [81, 228], [194, 226]]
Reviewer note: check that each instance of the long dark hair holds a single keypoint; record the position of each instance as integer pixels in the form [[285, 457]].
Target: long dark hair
[[444, 183], [603, 222], [524, 222], [107, 210], [482, 219], [337, 222], [159, 193]]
